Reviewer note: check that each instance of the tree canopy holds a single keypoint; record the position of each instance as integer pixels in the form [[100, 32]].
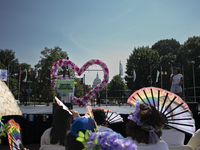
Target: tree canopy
[[143, 60]]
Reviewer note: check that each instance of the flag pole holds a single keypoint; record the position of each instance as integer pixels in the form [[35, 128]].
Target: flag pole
[[8, 76], [119, 68], [19, 83]]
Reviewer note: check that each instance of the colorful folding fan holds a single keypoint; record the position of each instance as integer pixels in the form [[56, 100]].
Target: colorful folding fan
[[111, 116], [14, 136], [63, 105], [174, 111]]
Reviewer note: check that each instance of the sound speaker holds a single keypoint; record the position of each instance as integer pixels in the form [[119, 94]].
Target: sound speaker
[[193, 106], [69, 105]]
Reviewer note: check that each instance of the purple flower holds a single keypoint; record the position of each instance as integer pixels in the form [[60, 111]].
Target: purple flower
[[109, 141], [90, 144], [135, 117]]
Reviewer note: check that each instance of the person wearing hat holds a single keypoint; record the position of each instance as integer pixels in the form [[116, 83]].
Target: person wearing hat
[[80, 124]]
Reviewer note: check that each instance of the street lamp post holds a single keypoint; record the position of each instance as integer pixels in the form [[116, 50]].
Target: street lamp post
[[193, 62], [193, 80], [40, 88], [161, 83]]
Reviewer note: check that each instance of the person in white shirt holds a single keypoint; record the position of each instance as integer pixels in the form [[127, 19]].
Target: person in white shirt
[[176, 79], [168, 135]]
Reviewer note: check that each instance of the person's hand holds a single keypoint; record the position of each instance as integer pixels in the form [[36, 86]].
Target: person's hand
[[106, 124], [75, 114], [21, 146]]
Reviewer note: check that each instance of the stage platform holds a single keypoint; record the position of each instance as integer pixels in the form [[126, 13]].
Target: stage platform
[[43, 109]]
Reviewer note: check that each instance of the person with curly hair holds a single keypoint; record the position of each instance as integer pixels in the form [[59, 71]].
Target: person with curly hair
[[145, 127], [56, 135]]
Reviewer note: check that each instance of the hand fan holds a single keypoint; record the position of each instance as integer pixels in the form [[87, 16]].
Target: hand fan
[[174, 111], [14, 136], [63, 105], [111, 116], [90, 114]]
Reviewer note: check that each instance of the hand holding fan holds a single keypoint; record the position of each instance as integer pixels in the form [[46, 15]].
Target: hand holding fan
[[63, 106], [174, 111], [90, 114]]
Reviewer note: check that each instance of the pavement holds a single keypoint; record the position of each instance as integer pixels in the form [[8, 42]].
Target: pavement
[[43, 109]]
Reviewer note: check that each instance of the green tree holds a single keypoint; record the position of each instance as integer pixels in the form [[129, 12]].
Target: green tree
[[167, 50], [7, 58], [116, 87], [164, 47], [49, 57], [144, 61], [9, 62], [2, 66], [189, 52]]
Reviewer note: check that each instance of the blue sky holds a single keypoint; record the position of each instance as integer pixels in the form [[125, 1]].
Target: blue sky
[[89, 29]]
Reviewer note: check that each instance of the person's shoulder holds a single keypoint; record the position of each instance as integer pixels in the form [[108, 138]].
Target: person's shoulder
[[47, 131], [162, 144], [180, 75]]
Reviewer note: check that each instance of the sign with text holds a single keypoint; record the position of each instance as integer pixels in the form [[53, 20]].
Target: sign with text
[[65, 86]]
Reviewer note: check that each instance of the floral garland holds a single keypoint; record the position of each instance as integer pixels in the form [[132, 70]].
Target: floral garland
[[135, 116], [105, 141], [79, 71]]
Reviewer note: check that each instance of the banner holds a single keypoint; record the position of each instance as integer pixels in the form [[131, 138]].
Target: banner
[[20, 72], [65, 86], [3, 74], [134, 75], [25, 79], [28, 91], [157, 75], [36, 72], [127, 93]]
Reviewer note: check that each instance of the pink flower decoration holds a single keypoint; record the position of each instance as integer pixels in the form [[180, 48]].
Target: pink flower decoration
[[79, 71], [106, 69]]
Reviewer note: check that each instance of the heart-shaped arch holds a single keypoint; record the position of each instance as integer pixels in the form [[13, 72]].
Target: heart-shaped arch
[[79, 71]]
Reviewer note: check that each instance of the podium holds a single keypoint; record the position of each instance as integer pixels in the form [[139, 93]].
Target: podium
[[69, 105]]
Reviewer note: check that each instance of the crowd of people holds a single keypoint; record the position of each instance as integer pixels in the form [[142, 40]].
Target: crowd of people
[[145, 130]]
